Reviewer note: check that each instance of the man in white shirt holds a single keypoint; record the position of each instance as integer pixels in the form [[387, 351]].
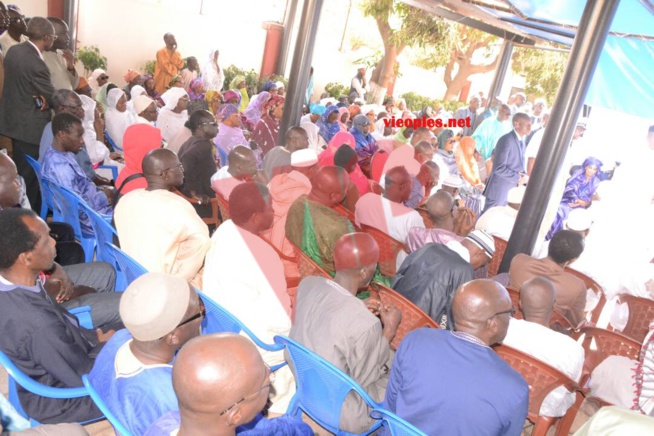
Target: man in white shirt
[[499, 220], [159, 229], [17, 30], [387, 213], [533, 336], [60, 59], [242, 168]]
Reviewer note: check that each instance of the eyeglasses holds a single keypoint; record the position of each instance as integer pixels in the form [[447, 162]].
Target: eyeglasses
[[271, 380], [212, 123], [201, 314], [103, 78], [17, 19]]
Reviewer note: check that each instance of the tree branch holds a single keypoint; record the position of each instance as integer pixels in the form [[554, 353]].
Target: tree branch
[[476, 69], [447, 78]]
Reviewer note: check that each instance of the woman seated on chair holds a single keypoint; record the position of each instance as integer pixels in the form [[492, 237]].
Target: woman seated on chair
[[117, 117]]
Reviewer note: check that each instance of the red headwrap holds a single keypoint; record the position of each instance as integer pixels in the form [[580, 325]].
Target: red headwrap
[[272, 102]]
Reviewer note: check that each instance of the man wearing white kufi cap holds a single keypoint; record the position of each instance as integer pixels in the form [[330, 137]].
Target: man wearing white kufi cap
[[133, 372], [146, 110], [499, 220]]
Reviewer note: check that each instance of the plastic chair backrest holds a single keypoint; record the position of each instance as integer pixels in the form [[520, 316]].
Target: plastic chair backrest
[[125, 265], [119, 428], [388, 250], [596, 287], [641, 315], [606, 343], [321, 387], [102, 230], [111, 142], [47, 203], [496, 260], [396, 425], [17, 376], [377, 164], [307, 266], [222, 155], [223, 205], [412, 316], [68, 204]]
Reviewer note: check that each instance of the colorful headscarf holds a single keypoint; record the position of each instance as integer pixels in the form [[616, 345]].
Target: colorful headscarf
[[443, 137], [327, 129], [343, 124], [269, 85], [354, 110], [227, 96], [359, 122], [192, 94], [101, 96], [255, 108], [131, 75], [174, 79], [317, 109], [236, 81], [272, 102], [226, 110]]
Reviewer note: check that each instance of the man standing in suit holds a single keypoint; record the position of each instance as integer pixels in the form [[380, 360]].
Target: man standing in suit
[[27, 96], [508, 162]]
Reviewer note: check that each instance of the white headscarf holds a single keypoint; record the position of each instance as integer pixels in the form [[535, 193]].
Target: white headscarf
[[212, 79], [135, 92], [97, 151], [312, 132], [93, 78], [172, 96], [117, 122]]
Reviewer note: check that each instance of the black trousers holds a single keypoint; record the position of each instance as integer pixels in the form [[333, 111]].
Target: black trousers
[[25, 170], [69, 251]]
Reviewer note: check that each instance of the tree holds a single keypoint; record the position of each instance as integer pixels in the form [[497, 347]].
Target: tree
[[542, 69], [461, 45], [415, 28]]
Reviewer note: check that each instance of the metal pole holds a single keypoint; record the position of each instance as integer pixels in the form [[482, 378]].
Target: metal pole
[[501, 70], [289, 22], [299, 77], [70, 17], [584, 55]]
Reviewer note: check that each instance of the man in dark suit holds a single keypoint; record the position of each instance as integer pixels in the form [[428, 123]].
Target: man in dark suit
[[27, 96], [508, 162]]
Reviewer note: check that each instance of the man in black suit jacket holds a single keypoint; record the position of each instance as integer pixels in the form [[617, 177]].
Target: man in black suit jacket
[[24, 107], [508, 162]]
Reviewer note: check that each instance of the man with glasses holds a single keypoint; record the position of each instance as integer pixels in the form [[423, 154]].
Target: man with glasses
[[452, 382], [60, 59], [26, 100], [16, 30], [133, 372], [175, 245], [222, 384]]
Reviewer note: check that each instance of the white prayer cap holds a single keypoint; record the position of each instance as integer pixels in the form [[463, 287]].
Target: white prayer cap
[[540, 101], [453, 181], [483, 240], [359, 66], [154, 305], [516, 194], [304, 158], [279, 85], [579, 220], [141, 103]]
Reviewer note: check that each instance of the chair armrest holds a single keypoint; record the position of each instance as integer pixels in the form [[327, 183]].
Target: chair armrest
[[83, 314]]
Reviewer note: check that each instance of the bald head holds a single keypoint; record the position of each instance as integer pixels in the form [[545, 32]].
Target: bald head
[[537, 297], [162, 169], [212, 373], [481, 308], [329, 185], [355, 250], [296, 139], [439, 207], [158, 160], [419, 135], [398, 184], [424, 152], [242, 162]]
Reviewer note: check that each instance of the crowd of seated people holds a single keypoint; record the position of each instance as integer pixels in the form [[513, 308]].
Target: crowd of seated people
[[182, 142]]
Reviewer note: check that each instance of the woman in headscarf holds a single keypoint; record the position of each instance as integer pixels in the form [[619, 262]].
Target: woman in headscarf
[[370, 110], [255, 108], [97, 79], [196, 96], [266, 133], [328, 123], [139, 140], [101, 95], [174, 114], [230, 132], [270, 87], [467, 163], [366, 146], [579, 191], [132, 78], [213, 76], [232, 97], [117, 119], [148, 84], [315, 140], [343, 118], [214, 99], [354, 110], [134, 92], [446, 144], [176, 82], [238, 84], [281, 88]]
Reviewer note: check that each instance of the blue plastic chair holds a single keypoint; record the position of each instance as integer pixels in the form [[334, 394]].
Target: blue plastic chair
[[113, 168], [396, 425], [224, 159], [47, 202], [119, 428], [125, 266], [321, 388], [219, 320], [17, 376], [67, 204], [112, 144]]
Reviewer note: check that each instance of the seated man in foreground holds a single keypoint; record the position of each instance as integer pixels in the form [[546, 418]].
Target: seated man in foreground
[[442, 211], [332, 322], [452, 382], [223, 385], [40, 337], [133, 372], [533, 336]]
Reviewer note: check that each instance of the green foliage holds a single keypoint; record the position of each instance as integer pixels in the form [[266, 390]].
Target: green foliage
[[542, 69], [416, 102], [335, 90], [251, 78], [91, 58], [149, 67]]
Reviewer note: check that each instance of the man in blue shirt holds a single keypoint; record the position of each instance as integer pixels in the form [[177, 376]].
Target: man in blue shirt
[[60, 166], [452, 382], [133, 373]]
